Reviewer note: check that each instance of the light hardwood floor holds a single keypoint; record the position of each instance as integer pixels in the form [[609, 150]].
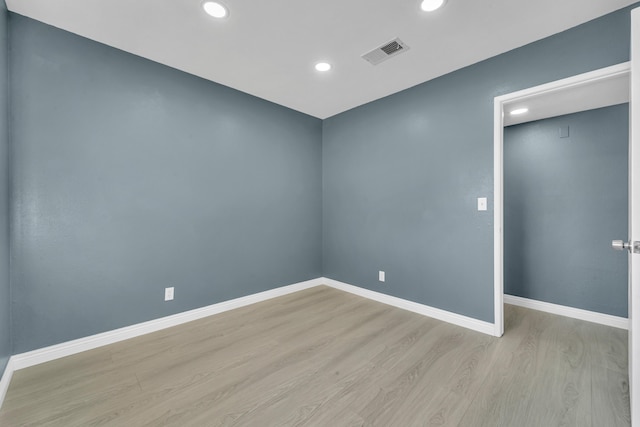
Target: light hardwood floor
[[322, 357]]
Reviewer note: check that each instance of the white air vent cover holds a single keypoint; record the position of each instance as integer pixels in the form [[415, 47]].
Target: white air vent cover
[[386, 51]]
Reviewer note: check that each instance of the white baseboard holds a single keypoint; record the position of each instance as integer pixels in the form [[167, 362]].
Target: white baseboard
[[46, 354], [576, 313], [31, 358], [425, 310], [6, 379]]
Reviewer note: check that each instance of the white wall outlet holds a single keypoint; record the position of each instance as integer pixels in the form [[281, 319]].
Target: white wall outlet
[[381, 276], [168, 294], [482, 203]]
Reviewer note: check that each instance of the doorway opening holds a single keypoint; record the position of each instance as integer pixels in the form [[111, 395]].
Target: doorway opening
[[601, 88]]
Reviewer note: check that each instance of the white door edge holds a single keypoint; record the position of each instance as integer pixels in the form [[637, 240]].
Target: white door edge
[[634, 221]]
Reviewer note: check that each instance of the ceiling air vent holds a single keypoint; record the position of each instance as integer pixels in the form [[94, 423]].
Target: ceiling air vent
[[386, 51]]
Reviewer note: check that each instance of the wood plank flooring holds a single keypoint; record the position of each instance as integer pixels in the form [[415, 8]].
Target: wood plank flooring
[[322, 357]]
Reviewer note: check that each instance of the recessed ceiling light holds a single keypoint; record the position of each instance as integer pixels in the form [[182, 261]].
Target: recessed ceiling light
[[215, 9], [519, 111], [431, 5], [323, 66]]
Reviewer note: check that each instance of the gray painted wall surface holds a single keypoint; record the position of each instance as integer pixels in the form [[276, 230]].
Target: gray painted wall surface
[[565, 200], [129, 176], [5, 306], [401, 175]]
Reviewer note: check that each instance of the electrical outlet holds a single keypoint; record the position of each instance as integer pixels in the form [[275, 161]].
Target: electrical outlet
[[168, 294], [381, 276]]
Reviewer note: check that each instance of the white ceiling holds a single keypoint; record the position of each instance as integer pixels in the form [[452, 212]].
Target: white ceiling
[[269, 48]]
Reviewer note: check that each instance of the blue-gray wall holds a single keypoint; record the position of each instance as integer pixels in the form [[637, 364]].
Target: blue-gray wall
[[565, 199], [5, 306], [129, 176], [401, 175]]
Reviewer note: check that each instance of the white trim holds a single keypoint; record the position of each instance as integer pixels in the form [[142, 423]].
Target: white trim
[[562, 310], [6, 379], [498, 243], [46, 354], [606, 73], [425, 310], [498, 179], [634, 219]]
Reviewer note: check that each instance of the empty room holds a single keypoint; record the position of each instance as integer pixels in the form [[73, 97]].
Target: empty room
[[383, 213]]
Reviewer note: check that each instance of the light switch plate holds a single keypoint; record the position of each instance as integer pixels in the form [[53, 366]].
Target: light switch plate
[[482, 203]]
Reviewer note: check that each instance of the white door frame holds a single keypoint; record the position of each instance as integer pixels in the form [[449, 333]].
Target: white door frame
[[634, 220], [500, 102]]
